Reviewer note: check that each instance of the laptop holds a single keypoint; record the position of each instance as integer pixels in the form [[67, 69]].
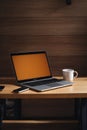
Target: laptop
[[32, 70]]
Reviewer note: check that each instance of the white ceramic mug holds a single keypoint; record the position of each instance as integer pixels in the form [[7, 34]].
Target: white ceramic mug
[[69, 74]]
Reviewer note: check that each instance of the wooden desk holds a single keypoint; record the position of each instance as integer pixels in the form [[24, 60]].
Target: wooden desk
[[77, 91]]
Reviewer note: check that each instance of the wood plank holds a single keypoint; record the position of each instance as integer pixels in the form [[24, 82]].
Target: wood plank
[[40, 121], [77, 90], [63, 51], [41, 8], [54, 45], [48, 109], [56, 126], [75, 62], [44, 26]]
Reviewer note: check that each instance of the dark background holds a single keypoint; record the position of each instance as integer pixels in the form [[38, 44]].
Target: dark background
[[51, 25]]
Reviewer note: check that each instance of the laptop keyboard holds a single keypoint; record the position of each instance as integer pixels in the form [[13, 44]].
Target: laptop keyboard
[[43, 82]]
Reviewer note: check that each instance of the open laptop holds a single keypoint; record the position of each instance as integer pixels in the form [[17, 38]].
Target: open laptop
[[32, 70]]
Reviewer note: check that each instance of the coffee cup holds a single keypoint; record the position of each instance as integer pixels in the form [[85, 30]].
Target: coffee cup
[[69, 74]]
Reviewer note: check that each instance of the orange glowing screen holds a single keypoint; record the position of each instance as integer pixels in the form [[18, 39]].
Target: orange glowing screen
[[30, 66]]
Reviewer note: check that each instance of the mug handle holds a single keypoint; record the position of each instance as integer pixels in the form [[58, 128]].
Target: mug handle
[[76, 74]]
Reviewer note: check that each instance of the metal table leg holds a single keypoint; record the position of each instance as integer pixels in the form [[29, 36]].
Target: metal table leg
[[78, 109], [81, 113], [1, 112], [84, 114]]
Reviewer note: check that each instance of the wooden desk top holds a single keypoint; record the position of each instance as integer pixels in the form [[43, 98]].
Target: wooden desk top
[[77, 90]]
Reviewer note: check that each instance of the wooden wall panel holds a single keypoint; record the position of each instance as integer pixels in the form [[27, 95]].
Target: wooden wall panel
[[57, 63], [41, 8], [44, 26], [55, 45], [63, 51]]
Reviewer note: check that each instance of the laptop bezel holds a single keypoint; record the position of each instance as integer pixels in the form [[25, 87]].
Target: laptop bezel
[[25, 53]]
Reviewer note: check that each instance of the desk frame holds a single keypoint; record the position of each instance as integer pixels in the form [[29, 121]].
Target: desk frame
[[80, 113]]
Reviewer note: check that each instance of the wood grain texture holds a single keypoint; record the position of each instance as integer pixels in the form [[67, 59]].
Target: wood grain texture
[[57, 63], [77, 90], [44, 25], [41, 8], [48, 109], [63, 51], [54, 45], [41, 126]]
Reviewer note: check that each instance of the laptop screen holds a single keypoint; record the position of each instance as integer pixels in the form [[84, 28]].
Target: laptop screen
[[30, 65]]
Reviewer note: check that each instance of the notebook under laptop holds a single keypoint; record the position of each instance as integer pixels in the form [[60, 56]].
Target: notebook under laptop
[[32, 69]]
